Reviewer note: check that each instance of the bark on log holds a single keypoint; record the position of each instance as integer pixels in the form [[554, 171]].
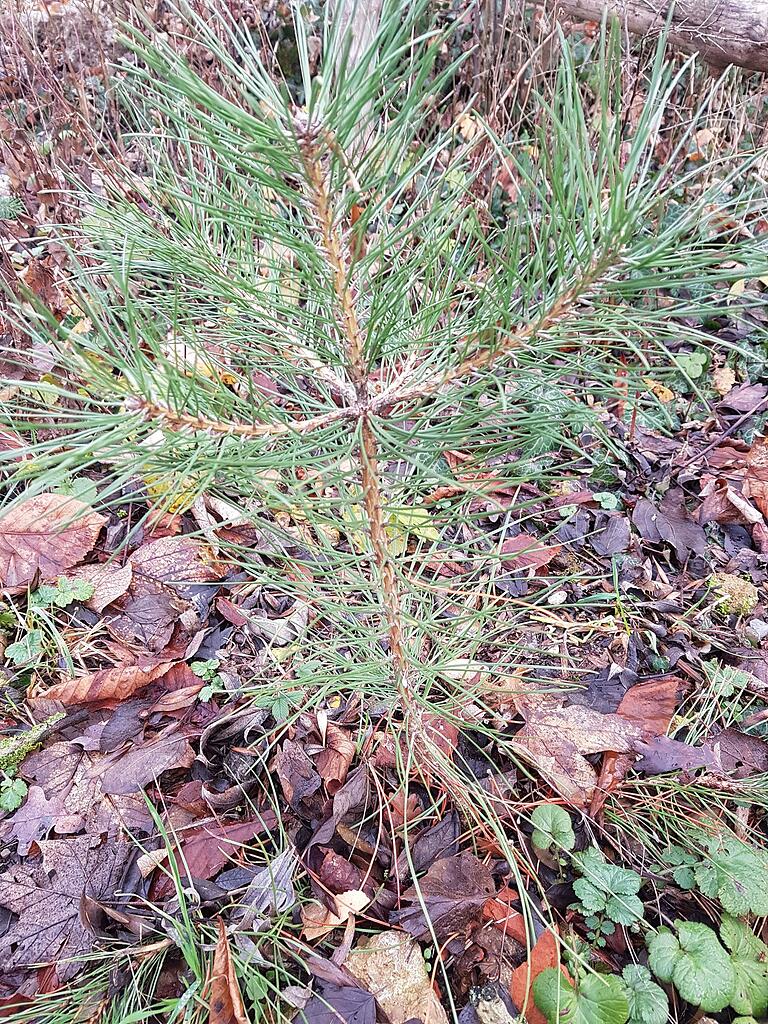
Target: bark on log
[[722, 31]]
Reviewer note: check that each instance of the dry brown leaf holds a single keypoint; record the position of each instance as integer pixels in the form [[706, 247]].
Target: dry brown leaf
[[108, 684], [109, 581], [333, 761], [176, 562], [756, 476], [391, 966], [226, 1004], [527, 552], [555, 740], [318, 920], [45, 535]]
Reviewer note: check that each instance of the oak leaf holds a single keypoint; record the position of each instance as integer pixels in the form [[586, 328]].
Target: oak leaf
[[48, 898]]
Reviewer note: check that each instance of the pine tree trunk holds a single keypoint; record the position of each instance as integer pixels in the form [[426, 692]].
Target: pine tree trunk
[[722, 31]]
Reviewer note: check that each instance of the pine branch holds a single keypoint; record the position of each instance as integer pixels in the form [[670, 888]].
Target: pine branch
[[349, 322]]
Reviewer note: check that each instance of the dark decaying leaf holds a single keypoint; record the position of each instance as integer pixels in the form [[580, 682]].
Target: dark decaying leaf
[[144, 762], [611, 535], [67, 773], [48, 897], [164, 575], [454, 891], [661, 754], [671, 523], [340, 1006], [605, 689], [297, 774], [728, 753], [270, 892], [441, 840]]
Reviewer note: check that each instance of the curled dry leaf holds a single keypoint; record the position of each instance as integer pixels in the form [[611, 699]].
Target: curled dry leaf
[[108, 684], [45, 535], [756, 476], [722, 504], [391, 966], [226, 1002], [318, 920], [333, 761]]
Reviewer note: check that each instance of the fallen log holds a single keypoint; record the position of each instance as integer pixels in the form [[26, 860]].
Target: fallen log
[[722, 31]]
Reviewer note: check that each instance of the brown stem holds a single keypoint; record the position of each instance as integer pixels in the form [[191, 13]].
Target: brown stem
[[368, 450]]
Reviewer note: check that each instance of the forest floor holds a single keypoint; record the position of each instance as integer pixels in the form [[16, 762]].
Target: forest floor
[[180, 841]]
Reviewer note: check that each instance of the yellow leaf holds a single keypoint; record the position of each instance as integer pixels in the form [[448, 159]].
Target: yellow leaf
[[738, 287], [662, 392]]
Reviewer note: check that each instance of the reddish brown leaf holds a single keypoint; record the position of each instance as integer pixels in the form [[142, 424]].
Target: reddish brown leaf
[[45, 535], [505, 917], [651, 705], [108, 684], [207, 848], [226, 1003], [526, 552], [543, 955], [454, 891], [337, 874], [723, 504]]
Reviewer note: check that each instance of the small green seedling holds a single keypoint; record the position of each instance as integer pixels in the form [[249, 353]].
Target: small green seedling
[[26, 650], [12, 792], [61, 594], [607, 894], [208, 670], [727, 869]]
